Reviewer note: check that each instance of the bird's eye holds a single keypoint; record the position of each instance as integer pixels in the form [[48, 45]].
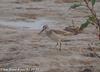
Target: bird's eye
[[44, 27]]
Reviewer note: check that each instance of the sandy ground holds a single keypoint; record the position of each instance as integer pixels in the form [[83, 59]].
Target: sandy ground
[[22, 47]]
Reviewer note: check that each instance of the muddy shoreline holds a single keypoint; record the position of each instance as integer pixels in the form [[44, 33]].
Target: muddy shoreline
[[22, 47]]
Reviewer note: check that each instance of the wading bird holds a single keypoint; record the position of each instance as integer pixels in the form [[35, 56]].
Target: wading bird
[[56, 35]]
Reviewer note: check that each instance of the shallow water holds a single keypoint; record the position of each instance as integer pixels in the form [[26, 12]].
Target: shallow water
[[37, 24]]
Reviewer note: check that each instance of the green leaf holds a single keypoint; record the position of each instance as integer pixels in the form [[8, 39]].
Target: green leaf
[[93, 2], [84, 25], [75, 6], [92, 18], [97, 43]]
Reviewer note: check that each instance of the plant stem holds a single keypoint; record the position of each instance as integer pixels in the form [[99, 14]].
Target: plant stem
[[94, 14]]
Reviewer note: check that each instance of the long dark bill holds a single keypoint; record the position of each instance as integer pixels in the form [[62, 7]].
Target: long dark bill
[[41, 31]]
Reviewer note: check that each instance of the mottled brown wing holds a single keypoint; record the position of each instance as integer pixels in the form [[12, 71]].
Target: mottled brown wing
[[62, 32]]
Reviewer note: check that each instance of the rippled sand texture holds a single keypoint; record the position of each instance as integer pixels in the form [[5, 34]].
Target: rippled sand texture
[[22, 47]]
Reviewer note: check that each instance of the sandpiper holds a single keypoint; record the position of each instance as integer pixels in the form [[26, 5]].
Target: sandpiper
[[56, 35]]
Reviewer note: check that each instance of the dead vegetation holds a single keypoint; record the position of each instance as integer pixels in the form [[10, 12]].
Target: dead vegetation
[[25, 48]]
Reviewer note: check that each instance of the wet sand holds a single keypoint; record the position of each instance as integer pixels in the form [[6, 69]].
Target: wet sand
[[22, 47]]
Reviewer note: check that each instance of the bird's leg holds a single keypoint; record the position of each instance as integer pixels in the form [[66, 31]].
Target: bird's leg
[[57, 44], [60, 46]]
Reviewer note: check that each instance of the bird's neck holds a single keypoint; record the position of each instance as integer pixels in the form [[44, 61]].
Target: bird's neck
[[47, 30]]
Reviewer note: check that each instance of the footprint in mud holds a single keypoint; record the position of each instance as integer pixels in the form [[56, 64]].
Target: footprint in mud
[[92, 55], [13, 49], [6, 59], [37, 46], [87, 70], [18, 8]]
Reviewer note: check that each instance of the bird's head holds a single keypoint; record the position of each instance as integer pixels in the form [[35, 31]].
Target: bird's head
[[45, 27]]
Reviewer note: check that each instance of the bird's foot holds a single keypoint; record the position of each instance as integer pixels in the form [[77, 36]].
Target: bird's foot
[[59, 49]]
